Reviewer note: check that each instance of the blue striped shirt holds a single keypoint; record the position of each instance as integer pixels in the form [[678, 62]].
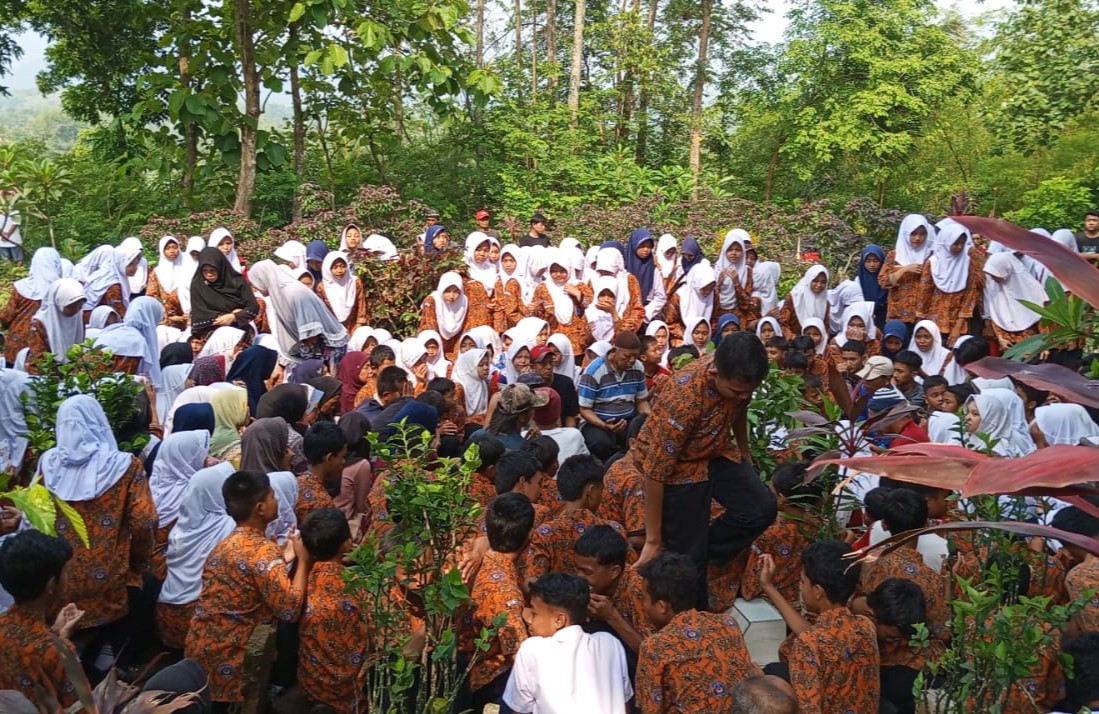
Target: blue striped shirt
[[611, 394]]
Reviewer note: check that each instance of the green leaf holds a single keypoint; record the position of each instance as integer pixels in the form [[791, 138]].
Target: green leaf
[[338, 55], [296, 12]]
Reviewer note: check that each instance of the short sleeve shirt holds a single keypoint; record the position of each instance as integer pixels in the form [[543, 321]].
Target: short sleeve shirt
[[612, 394]]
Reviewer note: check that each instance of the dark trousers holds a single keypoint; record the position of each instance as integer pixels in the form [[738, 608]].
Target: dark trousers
[[750, 508], [896, 688], [603, 444]]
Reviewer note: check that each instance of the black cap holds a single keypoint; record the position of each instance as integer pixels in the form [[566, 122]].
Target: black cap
[[538, 218]]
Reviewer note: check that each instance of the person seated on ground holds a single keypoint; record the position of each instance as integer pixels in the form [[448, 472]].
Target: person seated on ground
[[399, 397], [520, 472], [677, 670], [542, 362], [34, 571], [497, 590], [246, 583], [764, 694], [934, 394], [848, 359], [490, 450], [545, 451], [513, 414], [391, 385], [580, 483], [876, 374], [560, 667], [325, 447], [381, 357], [776, 349], [358, 473], [898, 605], [893, 430], [612, 392], [569, 439], [335, 628], [1082, 687], [624, 491], [617, 603], [795, 362], [906, 367], [822, 680], [1083, 574], [651, 356]]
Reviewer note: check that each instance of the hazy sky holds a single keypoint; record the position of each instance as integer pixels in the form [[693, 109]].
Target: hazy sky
[[768, 29]]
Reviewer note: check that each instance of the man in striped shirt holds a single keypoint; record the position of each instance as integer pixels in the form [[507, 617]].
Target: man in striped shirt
[[612, 392]]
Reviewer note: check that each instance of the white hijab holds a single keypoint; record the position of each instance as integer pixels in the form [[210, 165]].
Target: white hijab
[[906, 253], [362, 335], [668, 268], [180, 457], [564, 308], [517, 346], [954, 372], [567, 368], [102, 268], [1001, 299], [285, 486], [935, 357], [765, 277], [1003, 418], [942, 428], [528, 329], [485, 272], [201, 525], [44, 271], [173, 380], [519, 274], [222, 343], [132, 246], [450, 317], [1067, 424], [341, 293], [691, 301], [690, 322], [808, 304], [440, 364], [602, 323], [535, 266], [216, 236], [841, 297], [136, 336], [412, 351], [170, 272], [610, 261], [727, 290], [380, 247], [195, 244], [951, 272], [296, 311], [651, 330], [62, 332], [773, 322], [819, 324], [865, 310], [13, 423], [474, 388], [86, 461], [293, 252]]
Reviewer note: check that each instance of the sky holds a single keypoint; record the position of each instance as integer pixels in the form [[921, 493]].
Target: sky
[[768, 29]]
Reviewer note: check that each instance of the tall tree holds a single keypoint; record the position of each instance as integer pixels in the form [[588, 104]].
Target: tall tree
[[576, 68], [695, 159]]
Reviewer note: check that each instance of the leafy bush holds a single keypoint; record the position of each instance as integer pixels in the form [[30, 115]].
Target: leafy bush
[[1055, 203], [395, 289]]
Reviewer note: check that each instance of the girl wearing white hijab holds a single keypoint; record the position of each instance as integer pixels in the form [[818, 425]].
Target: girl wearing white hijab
[[201, 524], [820, 339], [1000, 415], [667, 262], [1006, 283], [297, 315], [136, 337], [481, 269], [86, 461], [26, 297], [904, 266], [734, 277], [180, 457], [173, 380], [695, 298], [437, 360], [561, 301], [101, 318], [471, 375], [1067, 424], [628, 302], [59, 322], [446, 311], [927, 342], [857, 323], [222, 239], [508, 293], [293, 252], [841, 297], [767, 328], [534, 330], [380, 247], [603, 314], [224, 342], [951, 282], [807, 299], [659, 329], [412, 357], [105, 274], [342, 290], [166, 279], [140, 277], [765, 277], [565, 363], [195, 244], [698, 333]]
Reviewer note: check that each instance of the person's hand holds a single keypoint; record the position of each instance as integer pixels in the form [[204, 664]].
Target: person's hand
[[293, 546], [616, 425], [225, 320], [605, 304], [66, 620], [533, 432], [573, 291], [650, 550], [10, 517], [766, 571], [470, 562], [601, 607], [952, 338], [448, 428], [915, 268]]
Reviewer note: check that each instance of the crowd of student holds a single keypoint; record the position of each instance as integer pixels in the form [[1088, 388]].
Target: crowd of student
[[607, 392]]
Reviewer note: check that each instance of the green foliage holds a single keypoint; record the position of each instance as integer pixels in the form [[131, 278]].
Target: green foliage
[[430, 515], [1056, 202], [1067, 320], [769, 417]]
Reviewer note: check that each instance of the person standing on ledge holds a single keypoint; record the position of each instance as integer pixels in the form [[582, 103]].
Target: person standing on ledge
[[537, 236], [694, 448]]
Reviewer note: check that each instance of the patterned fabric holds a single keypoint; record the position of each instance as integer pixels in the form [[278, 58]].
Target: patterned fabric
[[507, 298], [904, 297], [120, 526], [1044, 686], [723, 580], [483, 489], [944, 309], [623, 497], [788, 318], [173, 311], [15, 318], [552, 543], [244, 584], [629, 600], [690, 424], [634, 316], [358, 315], [172, 623], [578, 331], [784, 541], [29, 658], [1080, 579], [334, 635], [477, 315], [311, 496], [612, 394], [496, 590], [692, 665], [747, 310], [907, 564], [834, 665], [112, 299], [1010, 339]]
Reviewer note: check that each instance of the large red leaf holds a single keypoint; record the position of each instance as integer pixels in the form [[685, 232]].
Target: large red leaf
[[1062, 381], [1055, 467], [872, 552], [949, 473], [1077, 274]]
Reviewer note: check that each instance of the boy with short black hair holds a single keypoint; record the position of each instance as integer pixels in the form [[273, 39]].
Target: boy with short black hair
[[497, 589], [334, 631], [392, 388], [560, 667], [325, 448], [1083, 686], [1083, 574], [852, 358], [776, 348], [245, 583], [934, 392], [381, 357], [580, 483], [1032, 398], [822, 680], [617, 601], [906, 367], [795, 362], [489, 450], [677, 669], [545, 451], [518, 472], [898, 605], [33, 570], [650, 358]]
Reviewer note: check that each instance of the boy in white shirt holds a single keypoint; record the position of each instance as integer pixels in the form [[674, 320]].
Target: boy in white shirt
[[561, 669]]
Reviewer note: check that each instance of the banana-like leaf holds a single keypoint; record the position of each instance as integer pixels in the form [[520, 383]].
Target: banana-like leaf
[[1077, 274], [1054, 378], [1033, 530], [808, 418], [945, 472], [1053, 468]]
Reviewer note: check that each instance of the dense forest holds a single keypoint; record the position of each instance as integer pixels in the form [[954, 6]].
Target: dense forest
[[645, 108]]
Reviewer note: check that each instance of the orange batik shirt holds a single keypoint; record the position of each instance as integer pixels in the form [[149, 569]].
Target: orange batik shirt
[[835, 666], [496, 590], [552, 543], [335, 640]]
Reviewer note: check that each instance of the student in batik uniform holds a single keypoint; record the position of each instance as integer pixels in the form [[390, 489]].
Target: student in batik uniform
[[617, 600]]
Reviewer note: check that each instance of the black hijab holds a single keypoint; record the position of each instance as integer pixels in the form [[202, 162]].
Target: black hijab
[[176, 353], [230, 291], [286, 400], [253, 367]]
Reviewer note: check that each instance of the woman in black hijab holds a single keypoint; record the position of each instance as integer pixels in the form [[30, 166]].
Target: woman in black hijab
[[176, 353], [220, 296], [286, 400], [252, 368]]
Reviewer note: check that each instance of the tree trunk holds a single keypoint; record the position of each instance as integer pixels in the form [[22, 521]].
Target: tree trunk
[[533, 51], [551, 50], [518, 31], [768, 190], [480, 50], [577, 65], [327, 161], [190, 131], [696, 100], [246, 179], [643, 100], [299, 121]]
